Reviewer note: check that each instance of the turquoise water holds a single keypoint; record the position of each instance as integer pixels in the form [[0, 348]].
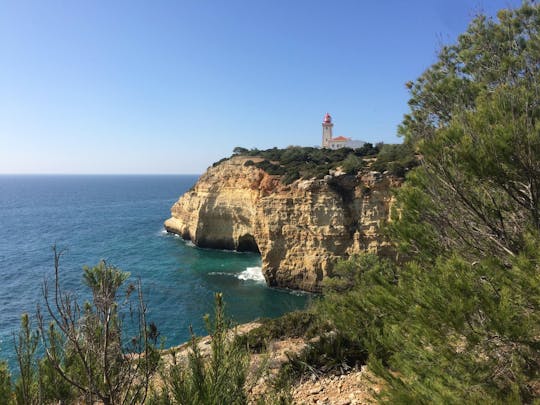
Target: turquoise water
[[119, 218]]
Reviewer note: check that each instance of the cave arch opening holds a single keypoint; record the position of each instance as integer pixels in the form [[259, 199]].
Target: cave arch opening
[[247, 243]]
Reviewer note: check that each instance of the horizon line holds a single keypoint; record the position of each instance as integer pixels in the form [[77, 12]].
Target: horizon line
[[100, 174]]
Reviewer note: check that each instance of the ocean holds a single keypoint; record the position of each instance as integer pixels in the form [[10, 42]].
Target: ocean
[[120, 219]]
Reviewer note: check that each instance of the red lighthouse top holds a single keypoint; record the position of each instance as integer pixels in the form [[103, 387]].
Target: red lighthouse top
[[327, 119]]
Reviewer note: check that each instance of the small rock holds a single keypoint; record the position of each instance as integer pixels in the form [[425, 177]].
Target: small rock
[[315, 390]]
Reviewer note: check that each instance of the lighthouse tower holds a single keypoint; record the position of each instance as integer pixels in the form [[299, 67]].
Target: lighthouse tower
[[327, 131]]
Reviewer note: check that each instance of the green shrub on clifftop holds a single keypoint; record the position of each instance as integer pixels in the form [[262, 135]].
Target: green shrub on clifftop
[[297, 162], [217, 380]]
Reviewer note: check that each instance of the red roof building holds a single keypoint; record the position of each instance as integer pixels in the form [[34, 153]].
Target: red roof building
[[340, 139]]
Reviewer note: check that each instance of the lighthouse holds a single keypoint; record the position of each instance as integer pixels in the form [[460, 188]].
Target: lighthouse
[[336, 143], [327, 131]]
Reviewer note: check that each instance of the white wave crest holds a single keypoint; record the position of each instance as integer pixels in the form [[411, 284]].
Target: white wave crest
[[220, 273], [252, 273]]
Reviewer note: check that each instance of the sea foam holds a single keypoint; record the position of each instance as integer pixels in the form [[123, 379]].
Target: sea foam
[[252, 273]]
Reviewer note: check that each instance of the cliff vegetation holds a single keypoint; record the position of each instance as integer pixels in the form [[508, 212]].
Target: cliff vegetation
[[296, 162]]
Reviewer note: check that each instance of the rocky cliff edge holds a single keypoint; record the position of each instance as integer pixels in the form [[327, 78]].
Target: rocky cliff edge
[[300, 229]]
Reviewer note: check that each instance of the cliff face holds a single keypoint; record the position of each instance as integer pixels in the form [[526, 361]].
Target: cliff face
[[300, 229]]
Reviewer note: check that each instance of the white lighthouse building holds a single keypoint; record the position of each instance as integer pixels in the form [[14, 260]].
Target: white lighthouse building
[[327, 131], [336, 143]]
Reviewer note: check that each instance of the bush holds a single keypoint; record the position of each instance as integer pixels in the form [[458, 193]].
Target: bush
[[396, 159], [352, 164], [84, 344], [220, 379], [5, 384], [293, 324], [332, 353], [219, 162], [290, 177]]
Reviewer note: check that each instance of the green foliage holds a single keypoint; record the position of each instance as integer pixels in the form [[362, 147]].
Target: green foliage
[[329, 354], [26, 386], [297, 162], [291, 177], [240, 151], [469, 333], [396, 159], [218, 380], [457, 319], [88, 361], [454, 333], [54, 388], [478, 188], [85, 346], [219, 162], [358, 315], [6, 396], [293, 324], [352, 164], [271, 168]]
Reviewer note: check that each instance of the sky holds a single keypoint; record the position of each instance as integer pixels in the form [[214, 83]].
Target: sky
[[158, 87]]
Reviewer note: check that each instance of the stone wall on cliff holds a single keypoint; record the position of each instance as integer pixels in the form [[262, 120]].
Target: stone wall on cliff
[[300, 229]]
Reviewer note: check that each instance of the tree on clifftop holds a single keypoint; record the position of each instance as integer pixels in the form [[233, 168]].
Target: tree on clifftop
[[475, 120], [458, 319]]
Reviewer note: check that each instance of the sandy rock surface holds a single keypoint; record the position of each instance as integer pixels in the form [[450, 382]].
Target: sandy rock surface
[[300, 229], [355, 388]]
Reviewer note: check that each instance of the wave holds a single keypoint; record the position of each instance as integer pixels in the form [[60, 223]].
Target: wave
[[220, 273], [164, 233], [249, 274], [252, 273]]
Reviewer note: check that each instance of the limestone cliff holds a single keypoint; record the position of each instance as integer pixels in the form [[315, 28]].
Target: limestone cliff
[[300, 229]]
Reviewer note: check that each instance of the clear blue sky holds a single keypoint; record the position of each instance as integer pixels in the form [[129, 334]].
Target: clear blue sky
[[172, 86]]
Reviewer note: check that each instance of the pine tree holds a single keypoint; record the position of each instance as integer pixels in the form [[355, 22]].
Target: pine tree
[[457, 320], [85, 346]]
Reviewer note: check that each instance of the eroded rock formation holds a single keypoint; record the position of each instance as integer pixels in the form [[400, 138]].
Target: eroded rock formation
[[300, 229]]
